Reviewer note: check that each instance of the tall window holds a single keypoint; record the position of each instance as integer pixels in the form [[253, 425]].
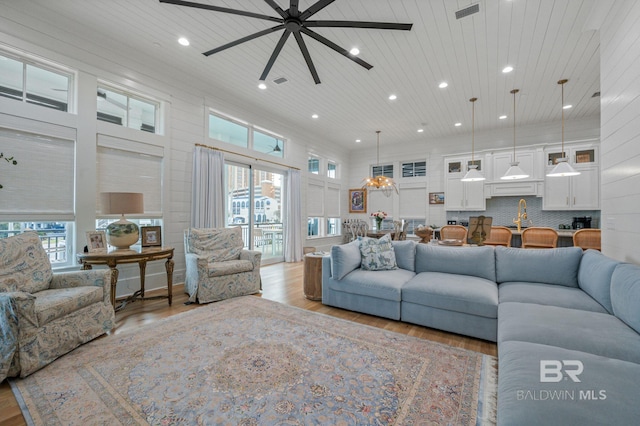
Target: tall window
[[125, 109], [35, 83]]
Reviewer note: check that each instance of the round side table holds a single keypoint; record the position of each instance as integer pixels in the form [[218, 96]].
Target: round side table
[[313, 276]]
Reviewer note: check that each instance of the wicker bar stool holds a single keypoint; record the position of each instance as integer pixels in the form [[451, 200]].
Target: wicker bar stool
[[539, 238], [587, 239], [500, 236], [453, 232]]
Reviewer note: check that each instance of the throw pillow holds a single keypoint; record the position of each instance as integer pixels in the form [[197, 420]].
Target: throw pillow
[[377, 255]]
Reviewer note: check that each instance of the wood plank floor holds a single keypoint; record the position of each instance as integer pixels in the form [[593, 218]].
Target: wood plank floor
[[282, 282]]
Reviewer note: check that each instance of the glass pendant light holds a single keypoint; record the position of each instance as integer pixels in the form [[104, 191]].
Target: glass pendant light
[[563, 168], [514, 172], [473, 174]]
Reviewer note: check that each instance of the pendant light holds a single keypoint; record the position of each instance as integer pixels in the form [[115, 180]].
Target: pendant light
[[473, 174], [514, 172], [381, 183], [563, 168]]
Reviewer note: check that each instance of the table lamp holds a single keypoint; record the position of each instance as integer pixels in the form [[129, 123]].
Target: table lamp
[[122, 234]]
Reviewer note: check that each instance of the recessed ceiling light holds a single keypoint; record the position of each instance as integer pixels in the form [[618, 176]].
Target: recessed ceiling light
[[567, 106], [502, 117], [314, 116], [392, 97], [420, 130], [458, 124], [354, 51], [507, 69], [358, 141], [443, 85], [262, 86], [183, 41]]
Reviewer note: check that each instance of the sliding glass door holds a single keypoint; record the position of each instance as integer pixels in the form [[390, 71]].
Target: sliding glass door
[[254, 202]]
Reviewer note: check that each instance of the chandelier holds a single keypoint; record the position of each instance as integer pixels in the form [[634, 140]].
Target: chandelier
[[380, 182], [473, 174]]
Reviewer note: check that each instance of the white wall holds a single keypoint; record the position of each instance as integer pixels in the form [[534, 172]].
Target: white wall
[[620, 115]]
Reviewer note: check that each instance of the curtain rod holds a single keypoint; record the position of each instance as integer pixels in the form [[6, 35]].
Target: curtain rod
[[247, 156]]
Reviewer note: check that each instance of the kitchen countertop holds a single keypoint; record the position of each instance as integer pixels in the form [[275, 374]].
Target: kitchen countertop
[[566, 233]]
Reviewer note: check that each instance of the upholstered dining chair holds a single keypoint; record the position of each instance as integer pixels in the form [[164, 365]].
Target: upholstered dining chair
[[217, 265], [500, 236], [44, 315], [587, 239], [539, 237], [453, 232]]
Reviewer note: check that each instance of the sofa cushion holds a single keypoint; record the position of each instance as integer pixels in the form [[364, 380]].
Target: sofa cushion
[[405, 254], [228, 267], [344, 259], [57, 303], [607, 393], [380, 284], [625, 294], [451, 292], [24, 265], [548, 294], [549, 266], [216, 244], [594, 276], [592, 332], [377, 254], [473, 261]]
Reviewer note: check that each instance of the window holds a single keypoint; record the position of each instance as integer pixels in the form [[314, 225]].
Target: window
[[332, 169], [268, 144], [314, 165], [235, 132], [127, 110], [55, 236], [36, 84], [334, 226], [313, 226], [414, 169], [383, 170]]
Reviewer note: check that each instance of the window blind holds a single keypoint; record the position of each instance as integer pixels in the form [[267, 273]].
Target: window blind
[[333, 201], [315, 197], [413, 202]]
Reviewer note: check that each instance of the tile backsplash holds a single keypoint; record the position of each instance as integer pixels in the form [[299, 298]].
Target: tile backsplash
[[504, 209]]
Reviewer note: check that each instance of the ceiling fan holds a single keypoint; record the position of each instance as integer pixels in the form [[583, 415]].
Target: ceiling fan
[[296, 22]]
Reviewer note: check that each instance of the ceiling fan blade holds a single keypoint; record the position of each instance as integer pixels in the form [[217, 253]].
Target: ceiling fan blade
[[335, 47], [315, 8], [221, 9], [307, 57], [359, 24], [277, 8], [244, 39], [274, 55], [293, 8]]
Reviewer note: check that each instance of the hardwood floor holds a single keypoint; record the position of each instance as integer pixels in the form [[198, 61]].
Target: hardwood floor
[[282, 282]]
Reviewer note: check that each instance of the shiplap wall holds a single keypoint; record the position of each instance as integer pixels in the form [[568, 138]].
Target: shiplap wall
[[620, 116]]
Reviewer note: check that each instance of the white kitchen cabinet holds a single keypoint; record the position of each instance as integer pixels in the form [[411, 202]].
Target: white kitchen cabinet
[[460, 195], [501, 162], [581, 192]]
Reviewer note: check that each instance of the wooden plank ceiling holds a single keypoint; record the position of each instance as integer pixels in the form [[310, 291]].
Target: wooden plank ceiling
[[544, 40]]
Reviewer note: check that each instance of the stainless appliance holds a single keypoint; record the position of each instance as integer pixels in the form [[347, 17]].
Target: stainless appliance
[[581, 222]]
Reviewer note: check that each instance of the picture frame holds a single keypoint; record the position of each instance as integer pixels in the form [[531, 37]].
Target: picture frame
[[436, 198], [151, 236], [357, 200], [96, 241]]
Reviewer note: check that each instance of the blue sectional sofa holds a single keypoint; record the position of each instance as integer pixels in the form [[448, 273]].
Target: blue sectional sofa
[[567, 323]]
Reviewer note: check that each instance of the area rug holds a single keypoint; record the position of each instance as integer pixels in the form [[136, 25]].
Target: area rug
[[251, 361]]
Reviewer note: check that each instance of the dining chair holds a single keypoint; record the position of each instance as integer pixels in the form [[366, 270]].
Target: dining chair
[[453, 232], [500, 236], [587, 239], [539, 237]]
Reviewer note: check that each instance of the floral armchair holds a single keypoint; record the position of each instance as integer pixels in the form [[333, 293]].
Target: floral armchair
[[44, 315], [217, 265]]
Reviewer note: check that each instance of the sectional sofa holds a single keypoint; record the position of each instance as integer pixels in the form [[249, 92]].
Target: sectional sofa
[[567, 323]]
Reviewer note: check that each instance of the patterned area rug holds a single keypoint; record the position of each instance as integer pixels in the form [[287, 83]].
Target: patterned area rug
[[251, 361]]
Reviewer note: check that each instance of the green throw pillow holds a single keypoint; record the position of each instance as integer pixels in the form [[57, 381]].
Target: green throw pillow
[[377, 255]]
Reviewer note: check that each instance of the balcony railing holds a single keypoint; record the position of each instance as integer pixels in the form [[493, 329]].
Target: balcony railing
[[54, 242]]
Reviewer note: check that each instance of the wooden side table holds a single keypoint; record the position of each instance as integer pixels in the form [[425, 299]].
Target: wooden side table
[[313, 276], [139, 255]]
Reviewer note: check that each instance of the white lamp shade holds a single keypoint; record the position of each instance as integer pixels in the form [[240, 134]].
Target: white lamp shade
[[563, 168], [514, 172], [473, 174], [121, 203]]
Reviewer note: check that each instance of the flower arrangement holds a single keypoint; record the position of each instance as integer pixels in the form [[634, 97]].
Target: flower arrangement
[[379, 215]]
